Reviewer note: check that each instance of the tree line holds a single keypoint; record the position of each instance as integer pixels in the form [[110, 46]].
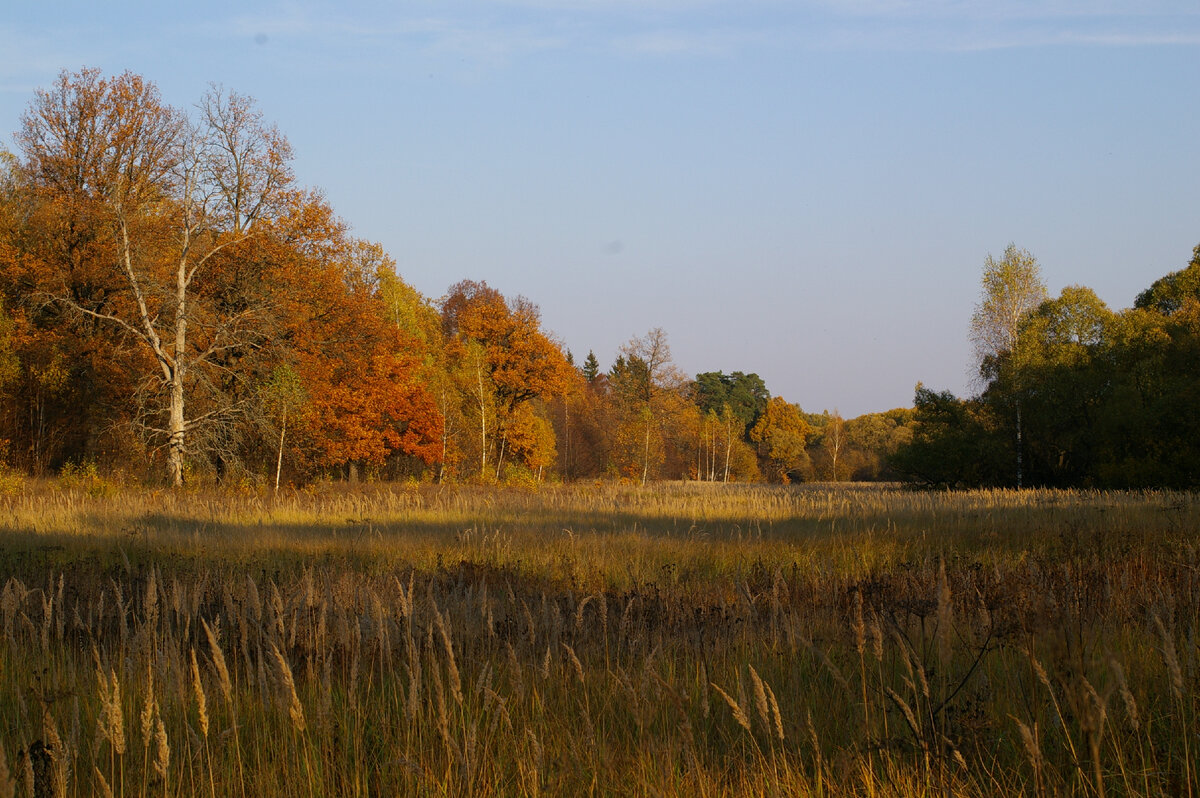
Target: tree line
[[174, 304], [1073, 394]]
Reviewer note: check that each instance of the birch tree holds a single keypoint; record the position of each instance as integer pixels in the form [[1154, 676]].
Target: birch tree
[[175, 193], [645, 377], [1012, 287]]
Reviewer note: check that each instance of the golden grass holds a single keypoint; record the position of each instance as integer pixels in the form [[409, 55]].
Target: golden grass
[[676, 640]]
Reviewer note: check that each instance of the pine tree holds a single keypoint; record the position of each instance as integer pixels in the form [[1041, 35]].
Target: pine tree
[[591, 366]]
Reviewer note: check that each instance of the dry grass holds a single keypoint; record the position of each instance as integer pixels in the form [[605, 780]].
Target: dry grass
[[678, 640]]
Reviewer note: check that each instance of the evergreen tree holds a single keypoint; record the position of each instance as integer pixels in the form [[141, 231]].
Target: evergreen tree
[[591, 366]]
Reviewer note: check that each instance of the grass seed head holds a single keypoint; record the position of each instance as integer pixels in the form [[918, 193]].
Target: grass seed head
[[776, 716], [288, 685], [1171, 658], [112, 717], [218, 662], [574, 662], [451, 662], [875, 630], [760, 698], [149, 706], [201, 703], [105, 791], [1032, 750], [162, 750], [1131, 708], [739, 714]]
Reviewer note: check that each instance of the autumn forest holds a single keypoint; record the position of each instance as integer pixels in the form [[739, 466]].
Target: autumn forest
[[178, 308]]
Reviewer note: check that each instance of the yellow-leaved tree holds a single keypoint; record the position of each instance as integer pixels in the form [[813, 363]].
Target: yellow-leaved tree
[[781, 434]]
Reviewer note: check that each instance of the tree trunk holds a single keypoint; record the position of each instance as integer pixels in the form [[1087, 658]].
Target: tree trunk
[[445, 436], [708, 452], [646, 450], [500, 454], [178, 426], [482, 422], [568, 464], [176, 433], [728, 447], [1020, 443], [279, 458]]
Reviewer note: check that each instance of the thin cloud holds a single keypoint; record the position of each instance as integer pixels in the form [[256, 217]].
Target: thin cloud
[[1133, 39], [1070, 38], [970, 25], [496, 32], [1012, 9], [497, 43], [303, 23], [472, 37], [687, 43], [976, 40]]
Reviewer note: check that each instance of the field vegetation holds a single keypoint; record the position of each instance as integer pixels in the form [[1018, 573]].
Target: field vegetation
[[681, 639]]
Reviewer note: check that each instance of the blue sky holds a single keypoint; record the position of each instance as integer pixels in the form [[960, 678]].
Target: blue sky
[[803, 189]]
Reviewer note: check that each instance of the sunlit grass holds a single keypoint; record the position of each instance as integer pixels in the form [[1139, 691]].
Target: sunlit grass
[[675, 640]]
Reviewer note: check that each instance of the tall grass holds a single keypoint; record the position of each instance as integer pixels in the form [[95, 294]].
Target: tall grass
[[678, 640]]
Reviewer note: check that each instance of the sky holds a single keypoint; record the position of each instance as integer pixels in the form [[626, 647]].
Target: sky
[[804, 189]]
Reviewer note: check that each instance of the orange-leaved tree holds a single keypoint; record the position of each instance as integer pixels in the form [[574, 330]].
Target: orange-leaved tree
[[69, 392], [504, 360], [359, 374], [167, 194]]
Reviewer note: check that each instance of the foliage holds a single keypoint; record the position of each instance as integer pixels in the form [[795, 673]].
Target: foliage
[[1012, 287], [954, 442], [1084, 396], [782, 434], [158, 269], [591, 367], [162, 199], [1168, 294], [503, 361], [746, 395]]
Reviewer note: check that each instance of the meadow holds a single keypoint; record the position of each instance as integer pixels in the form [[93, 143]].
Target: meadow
[[673, 640]]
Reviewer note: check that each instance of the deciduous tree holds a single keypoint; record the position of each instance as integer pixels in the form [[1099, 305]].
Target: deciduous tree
[[172, 193], [507, 358], [782, 435], [648, 386], [1012, 287]]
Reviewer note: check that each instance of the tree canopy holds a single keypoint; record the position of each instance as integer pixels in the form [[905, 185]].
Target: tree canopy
[[1081, 396]]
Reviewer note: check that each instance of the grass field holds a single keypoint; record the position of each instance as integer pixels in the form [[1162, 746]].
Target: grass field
[[685, 639]]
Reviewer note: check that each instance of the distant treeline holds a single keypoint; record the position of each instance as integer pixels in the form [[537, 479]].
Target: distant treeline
[[1074, 393], [175, 306]]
